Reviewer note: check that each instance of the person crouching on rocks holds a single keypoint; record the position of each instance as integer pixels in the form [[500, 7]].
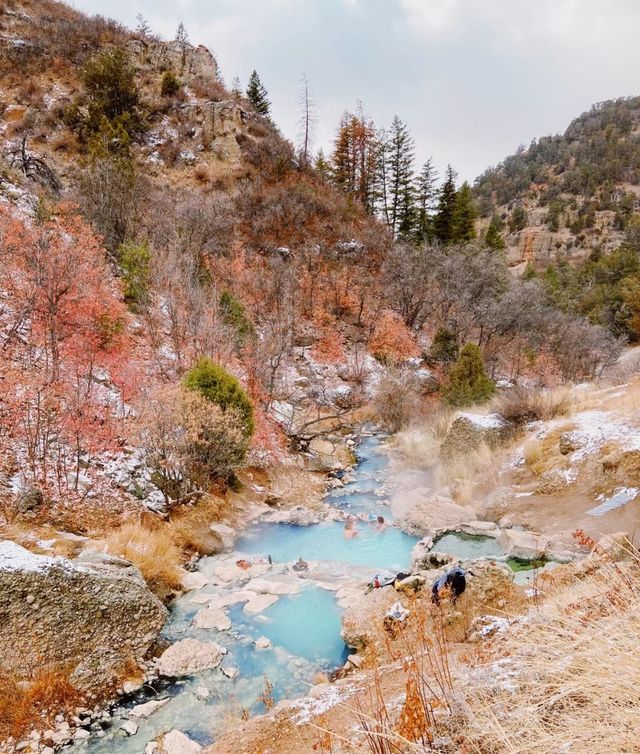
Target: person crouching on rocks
[[454, 580]]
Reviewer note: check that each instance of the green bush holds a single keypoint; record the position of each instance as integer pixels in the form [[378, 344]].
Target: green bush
[[221, 388], [170, 84], [135, 260], [234, 316], [112, 93], [468, 381], [444, 348]]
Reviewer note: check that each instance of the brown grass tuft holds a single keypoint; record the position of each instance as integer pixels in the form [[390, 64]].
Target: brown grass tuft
[[521, 405], [154, 553], [22, 704]]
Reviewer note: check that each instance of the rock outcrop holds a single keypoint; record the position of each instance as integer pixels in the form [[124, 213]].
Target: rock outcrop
[[93, 616], [421, 513], [470, 431], [188, 657]]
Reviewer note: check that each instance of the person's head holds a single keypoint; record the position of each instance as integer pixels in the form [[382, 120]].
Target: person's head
[[381, 519], [349, 525]]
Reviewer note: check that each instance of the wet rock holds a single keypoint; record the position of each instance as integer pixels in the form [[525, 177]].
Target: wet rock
[[260, 603], [480, 528], [262, 643], [232, 598], [202, 693], [229, 672], [424, 558], [212, 617], [81, 735], [176, 742], [143, 711], [92, 615], [469, 431], [298, 515], [188, 657], [195, 580], [129, 728], [524, 545], [265, 586]]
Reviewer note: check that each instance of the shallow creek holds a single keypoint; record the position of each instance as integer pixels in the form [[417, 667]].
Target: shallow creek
[[303, 625]]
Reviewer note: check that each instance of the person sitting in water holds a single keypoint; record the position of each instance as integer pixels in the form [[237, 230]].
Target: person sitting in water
[[350, 530], [378, 525]]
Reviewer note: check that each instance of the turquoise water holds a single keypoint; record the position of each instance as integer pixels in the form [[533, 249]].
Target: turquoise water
[[468, 546], [285, 543], [307, 624], [304, 628]]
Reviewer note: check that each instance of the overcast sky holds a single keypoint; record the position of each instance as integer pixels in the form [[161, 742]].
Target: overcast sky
[[473, 79]]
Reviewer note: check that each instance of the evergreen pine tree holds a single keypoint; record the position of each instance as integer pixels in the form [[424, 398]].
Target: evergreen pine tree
[[322, 165], [468, 381], [464, 215], [425, 195], [443, 227], [493, 237], [257, 95], [401, 195]]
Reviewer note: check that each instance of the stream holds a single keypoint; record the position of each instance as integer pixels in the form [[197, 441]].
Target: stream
[[302, 625]]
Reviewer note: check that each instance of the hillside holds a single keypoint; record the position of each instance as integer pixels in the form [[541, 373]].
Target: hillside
[[243, 387], [567, 196]]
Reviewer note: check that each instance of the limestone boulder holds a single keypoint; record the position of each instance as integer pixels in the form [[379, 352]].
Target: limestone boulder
[[176, 742], [212, 617], [524, 545], [420, 512], [188, 657], [469, 431], [94, 615], [226, 534]]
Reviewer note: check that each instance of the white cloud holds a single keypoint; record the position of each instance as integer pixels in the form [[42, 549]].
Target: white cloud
[[429, 15]]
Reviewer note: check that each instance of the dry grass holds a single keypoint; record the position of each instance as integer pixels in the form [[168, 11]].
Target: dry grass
[[21, 703], [153, 552], [190, 526], [566, 680], [465, 475], [544, 454], [521, 405]]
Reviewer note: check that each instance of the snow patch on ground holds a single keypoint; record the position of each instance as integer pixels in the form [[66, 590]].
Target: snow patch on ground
[[595, 428], [311, 707], [620, 497]]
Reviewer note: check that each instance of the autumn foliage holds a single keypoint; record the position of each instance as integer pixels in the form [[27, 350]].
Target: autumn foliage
[[392, 340], [64, 332]]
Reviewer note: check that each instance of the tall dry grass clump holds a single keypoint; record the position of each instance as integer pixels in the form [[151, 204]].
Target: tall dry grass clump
[[565, 679], [526, 404], [152, 551], [47, 694]]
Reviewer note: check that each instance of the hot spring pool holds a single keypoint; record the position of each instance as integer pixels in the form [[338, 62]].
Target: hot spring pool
[[468, 546], [285, 543]]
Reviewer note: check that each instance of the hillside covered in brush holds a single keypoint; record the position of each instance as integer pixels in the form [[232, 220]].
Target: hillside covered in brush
[[159, 237], [568, 195]]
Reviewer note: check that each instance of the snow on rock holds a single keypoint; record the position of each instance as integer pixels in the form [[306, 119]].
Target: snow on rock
[[486, 421], [13, 557]]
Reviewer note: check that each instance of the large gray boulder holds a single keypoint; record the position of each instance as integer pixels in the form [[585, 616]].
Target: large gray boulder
[[93, 616], [469, 431]]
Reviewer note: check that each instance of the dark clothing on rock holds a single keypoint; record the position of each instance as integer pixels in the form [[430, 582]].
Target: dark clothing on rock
[[454, 579]]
